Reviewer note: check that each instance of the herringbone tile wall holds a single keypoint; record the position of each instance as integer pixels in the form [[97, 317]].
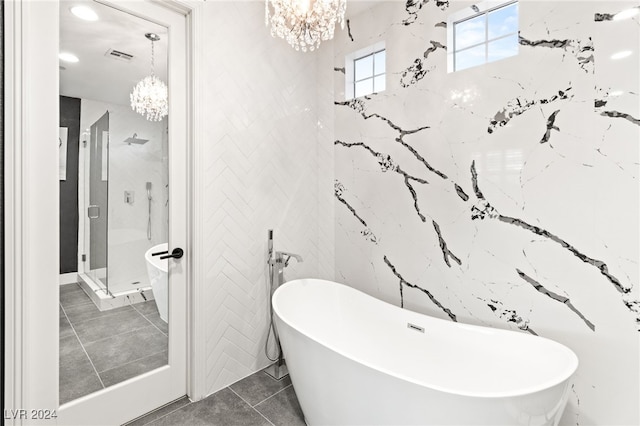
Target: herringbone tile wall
[[268, 164]]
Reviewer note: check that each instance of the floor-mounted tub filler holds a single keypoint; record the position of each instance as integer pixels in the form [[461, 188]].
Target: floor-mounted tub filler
[[356, 360]]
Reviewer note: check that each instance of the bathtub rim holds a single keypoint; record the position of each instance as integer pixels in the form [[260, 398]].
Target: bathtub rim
[[160, 264], [567, 373]]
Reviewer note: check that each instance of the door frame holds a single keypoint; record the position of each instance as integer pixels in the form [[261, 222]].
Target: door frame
[[31, 38]]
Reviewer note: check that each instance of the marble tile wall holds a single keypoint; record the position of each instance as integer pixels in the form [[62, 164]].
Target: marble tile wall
[[268, 165], [504, 195]]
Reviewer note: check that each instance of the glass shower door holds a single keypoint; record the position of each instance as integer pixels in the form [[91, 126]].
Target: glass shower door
[[97, 210]]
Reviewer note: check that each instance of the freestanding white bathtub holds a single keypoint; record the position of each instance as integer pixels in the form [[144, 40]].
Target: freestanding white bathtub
[[157, 269], [355, 360]]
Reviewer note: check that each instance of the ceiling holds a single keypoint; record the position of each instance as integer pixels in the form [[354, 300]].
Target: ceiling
[[103, 78]]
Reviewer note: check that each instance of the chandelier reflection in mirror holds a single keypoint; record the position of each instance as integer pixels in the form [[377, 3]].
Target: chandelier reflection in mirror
[[304, 23], [149, 96]]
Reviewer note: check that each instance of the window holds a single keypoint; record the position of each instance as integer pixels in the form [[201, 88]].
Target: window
[[365, 71], [369, 74], [486, 33]]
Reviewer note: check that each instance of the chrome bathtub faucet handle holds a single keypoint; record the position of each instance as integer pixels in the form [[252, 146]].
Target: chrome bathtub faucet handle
[[281, 254]]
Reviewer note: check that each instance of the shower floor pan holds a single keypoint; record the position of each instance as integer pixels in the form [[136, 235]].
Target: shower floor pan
[[105, 301]]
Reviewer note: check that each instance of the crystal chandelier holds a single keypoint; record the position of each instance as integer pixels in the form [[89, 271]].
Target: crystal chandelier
[[304, 23], [149, 96]]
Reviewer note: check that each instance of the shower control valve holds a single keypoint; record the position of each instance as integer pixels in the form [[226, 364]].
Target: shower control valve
[[129, 197]]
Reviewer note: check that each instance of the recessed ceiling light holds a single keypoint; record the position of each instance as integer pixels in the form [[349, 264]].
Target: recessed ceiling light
[[68, 57], [622, 54], [84, 12], [626, 14], [616, 93]]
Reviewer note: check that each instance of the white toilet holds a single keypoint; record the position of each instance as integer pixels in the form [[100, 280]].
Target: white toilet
[[157, 270]]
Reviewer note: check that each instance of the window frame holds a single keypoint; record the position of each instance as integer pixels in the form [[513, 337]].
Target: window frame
[[350, 69], [373, 74], [483, 9]]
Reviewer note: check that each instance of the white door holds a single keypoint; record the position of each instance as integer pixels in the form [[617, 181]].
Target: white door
[[129, 399], [32, 264]]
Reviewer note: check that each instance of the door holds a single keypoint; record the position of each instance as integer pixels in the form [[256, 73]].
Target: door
[[31, 262], [97, 210], [137, 395]]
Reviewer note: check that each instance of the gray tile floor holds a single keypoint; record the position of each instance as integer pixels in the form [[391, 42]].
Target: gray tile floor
[[102, 348], [255, 400]]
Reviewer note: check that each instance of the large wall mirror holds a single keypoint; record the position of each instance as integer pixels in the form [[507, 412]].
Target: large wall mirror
[[113, 201]]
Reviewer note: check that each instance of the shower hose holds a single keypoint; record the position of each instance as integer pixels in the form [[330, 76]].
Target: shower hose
[[149, 215], [272, 329]]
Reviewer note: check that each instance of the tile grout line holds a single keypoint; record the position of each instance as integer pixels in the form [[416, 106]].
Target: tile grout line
[[82, 346], [271, 396], [145, 317], [135, 360], [78, 304], [148, 320], [115, 335], [165, 415], [237, 394], [120, 334], [107, 315], [252, 407]]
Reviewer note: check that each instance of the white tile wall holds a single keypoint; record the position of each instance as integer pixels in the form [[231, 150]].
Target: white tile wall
[[268, 160]]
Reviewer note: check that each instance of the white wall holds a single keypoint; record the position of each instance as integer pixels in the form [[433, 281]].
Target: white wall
[[570, 178], [268, 161]]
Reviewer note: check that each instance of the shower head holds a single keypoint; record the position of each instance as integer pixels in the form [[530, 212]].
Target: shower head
[[136, 140]]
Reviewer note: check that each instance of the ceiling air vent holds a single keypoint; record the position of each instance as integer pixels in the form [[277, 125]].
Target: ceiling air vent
[[116, 54]]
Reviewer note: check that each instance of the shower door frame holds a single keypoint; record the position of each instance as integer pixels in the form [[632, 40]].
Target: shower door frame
[[85, 185], [32, 232]]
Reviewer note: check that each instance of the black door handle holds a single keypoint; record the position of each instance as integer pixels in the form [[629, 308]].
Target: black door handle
[[177, 253]]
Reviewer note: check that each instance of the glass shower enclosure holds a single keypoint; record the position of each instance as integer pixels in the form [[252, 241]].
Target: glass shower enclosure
[[97, 210], [124, 206]]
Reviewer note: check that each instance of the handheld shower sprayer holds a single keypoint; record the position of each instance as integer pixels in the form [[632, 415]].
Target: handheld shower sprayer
[[149, 190]]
